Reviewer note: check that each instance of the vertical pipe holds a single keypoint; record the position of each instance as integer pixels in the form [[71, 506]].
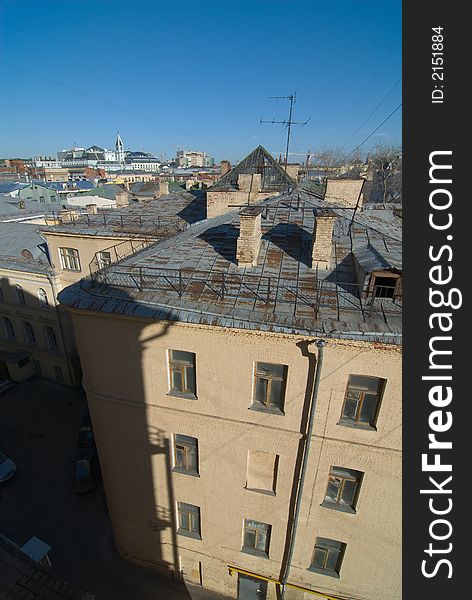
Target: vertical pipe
[[301, 481]]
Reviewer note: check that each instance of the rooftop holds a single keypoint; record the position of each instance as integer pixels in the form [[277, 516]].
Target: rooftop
[[151, 218], [194, 276], [21, 242]]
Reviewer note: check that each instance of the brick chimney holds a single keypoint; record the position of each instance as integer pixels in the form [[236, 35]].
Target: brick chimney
[[163, 188], [323, 237], [225, 166], [250, 233], [91, 209], [121, 199]]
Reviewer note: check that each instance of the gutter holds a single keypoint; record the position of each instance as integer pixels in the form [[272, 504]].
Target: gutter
[[301, 480]]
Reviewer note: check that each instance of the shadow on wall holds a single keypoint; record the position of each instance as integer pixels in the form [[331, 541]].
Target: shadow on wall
[[36, 336], [132, 450]]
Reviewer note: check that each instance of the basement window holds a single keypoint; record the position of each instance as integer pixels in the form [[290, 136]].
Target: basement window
[[327, 557], [182, 374], [261, 472], [362, 401], [269, 387]]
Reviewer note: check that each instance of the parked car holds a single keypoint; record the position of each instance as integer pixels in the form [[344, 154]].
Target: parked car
[[84, 480], [5, 384], [85, 435], [7, 468]]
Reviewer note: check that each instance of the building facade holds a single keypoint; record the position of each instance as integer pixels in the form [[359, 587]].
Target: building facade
[[237, 453]]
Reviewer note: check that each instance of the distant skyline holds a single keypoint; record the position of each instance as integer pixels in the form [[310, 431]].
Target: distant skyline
[[198, 76]]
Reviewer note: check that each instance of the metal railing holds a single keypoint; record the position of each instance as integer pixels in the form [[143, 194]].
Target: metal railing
[[263, 292]]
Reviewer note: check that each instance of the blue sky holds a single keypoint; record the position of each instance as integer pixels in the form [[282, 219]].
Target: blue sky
[[197, 75]]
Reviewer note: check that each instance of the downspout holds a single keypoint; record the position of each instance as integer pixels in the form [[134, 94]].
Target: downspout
[[301, 481]]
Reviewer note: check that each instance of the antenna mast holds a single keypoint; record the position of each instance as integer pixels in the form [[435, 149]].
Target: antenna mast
[[286, 122]]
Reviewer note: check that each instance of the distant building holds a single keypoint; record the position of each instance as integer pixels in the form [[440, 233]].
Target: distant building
[[193, 158]]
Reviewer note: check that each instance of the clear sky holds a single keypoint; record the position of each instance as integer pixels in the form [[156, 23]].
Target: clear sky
[[197, 74]]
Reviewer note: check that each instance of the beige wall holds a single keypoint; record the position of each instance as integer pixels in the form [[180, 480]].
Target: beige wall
[[344, 191], [40, 317], [87, 247], [126, 379]]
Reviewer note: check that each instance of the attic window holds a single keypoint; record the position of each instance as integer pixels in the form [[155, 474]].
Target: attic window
[[386, 285]]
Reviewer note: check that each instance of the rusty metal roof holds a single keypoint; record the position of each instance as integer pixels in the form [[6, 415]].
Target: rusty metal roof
[[194, 276]]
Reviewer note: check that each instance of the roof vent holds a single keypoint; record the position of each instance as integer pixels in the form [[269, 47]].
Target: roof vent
[[26, 254]]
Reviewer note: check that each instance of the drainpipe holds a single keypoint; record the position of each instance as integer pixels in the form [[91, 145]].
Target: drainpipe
[[301, 481]]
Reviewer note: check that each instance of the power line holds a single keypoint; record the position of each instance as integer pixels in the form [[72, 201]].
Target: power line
[[374, 132], [372, 112]]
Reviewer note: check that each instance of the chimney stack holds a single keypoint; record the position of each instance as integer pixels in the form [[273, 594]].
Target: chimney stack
[[323, 237], [250, 234], [163, 188], [91, 209], [121, 199], [225, 166]]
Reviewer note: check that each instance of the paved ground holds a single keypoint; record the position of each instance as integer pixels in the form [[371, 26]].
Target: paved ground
[[38, 430]]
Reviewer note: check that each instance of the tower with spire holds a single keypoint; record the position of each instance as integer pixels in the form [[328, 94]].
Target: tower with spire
[[119, 149]]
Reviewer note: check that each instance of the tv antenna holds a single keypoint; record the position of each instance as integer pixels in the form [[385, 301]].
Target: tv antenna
[[286, 122]]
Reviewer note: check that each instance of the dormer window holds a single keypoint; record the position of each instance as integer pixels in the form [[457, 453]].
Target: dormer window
[[385, 284]]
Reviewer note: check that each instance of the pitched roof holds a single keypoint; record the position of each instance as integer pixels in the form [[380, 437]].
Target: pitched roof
[[259, 161]]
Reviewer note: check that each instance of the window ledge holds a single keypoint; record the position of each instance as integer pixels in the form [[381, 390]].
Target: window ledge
[[185, 471], [266, 409], [254, 552], [324, 572], [339, 507], [354, 425], [177, 394], [266, 492], [189, 534]]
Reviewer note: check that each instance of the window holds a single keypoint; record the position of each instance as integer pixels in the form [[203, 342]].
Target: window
[[343, 489], [327, 557], [256, 537], [42, 297], [269, 387], [185, 454], [104, 259], [2, 298], [59, 374], [20, 295], [182, 373], [37, 367], [42, 199], [29, 334], [386, 285], [23, 362], [8, 328], [261, 471], [189, 520], [69, 259], [51, 339], [362, 400]]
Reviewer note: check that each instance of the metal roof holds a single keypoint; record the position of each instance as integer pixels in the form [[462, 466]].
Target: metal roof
[[16, 237], [193, 276]]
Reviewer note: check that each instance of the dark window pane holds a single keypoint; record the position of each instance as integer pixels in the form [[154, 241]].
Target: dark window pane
[[189, 379], [195, 522], [368, 408], [261, 390], [192, 459], [177, 380], [349, 491], [250, 538], [262, 541], [271, 370], [276, 390], [350, 407], [319, 558], [180, 457], [332, 560], [333, 489], [184, 521], [368, 384], [180, 356]]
